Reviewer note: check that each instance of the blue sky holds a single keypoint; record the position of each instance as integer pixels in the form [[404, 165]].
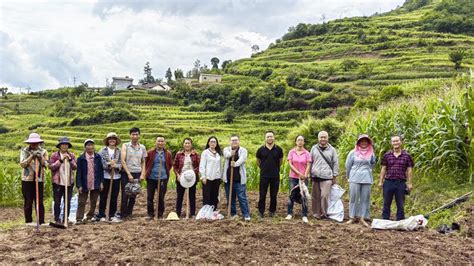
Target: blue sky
[[45, 44]]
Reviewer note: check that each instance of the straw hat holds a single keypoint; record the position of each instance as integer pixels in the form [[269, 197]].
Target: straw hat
[[111, 135], [187, 178], [34, 138], [172, 216]]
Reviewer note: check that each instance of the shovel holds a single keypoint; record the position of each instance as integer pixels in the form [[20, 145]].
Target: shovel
[[37, 194], [109, 195], [231, 184]]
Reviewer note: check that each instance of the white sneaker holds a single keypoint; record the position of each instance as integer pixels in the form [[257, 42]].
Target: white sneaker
[[31, 224], [115, 220], [247, 219], [288, 217], [235, 217], [102, 219], [305, 219]]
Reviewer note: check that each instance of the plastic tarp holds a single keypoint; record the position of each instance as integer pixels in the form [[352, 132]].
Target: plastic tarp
[[410, 224]]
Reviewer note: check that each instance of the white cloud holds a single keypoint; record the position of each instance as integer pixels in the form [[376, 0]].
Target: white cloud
[[46, 44]]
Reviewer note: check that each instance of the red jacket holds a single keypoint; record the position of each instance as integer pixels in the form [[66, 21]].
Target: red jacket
[[150, 159], [179, 162]]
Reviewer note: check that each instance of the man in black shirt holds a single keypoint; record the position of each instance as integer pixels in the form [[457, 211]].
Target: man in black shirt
[[269, 159]]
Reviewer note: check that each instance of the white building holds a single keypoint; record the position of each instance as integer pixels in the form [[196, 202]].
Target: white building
[[210, 78], [121, 83]]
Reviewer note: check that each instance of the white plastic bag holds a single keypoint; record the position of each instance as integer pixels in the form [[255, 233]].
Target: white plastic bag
[[335, 207], [72, 208], [410, 224], [206, 212]]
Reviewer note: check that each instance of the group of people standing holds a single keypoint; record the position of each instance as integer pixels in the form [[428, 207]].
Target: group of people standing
[[103, 176]]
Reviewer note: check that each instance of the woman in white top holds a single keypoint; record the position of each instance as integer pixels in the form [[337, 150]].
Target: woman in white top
[[210, 169]]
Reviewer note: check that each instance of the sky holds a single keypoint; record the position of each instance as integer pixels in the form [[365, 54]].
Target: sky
[[50, 44]]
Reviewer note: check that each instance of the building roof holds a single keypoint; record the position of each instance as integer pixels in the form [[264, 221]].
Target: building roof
[[122, 78], [211, 75]]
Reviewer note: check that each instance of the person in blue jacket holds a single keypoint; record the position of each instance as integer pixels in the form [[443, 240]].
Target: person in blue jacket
[[89, 178]]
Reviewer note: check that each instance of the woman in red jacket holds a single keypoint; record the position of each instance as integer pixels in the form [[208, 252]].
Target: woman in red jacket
[[186, 159]]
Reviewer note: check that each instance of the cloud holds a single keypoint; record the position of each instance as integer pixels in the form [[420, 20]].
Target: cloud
[[46, 44]]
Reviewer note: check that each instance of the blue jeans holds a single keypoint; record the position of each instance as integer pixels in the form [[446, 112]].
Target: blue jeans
[[292, 183], [393, 188], [238, 190]]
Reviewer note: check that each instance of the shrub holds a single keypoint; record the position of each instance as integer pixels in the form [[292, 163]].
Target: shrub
[[391, 92], [310, 128], [107, 116]]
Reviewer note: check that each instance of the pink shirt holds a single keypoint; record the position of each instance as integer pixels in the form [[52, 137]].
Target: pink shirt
[[90, 171], [299, 161]]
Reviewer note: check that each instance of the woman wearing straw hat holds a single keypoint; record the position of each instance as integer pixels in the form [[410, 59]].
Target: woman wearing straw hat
[[111, 161], [33, 160], [62, 165], [359, 165], [186, 161]]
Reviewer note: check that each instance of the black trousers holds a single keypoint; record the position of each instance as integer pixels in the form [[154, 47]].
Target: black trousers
[[274, 184], [210, 192], [151, 186], [113, 197], [127, 202], [58, 195], [28, 189], [181, 191]]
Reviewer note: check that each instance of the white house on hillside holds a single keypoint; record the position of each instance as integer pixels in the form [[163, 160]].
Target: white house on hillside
[[150, 86], [121, 83], [210, 78]]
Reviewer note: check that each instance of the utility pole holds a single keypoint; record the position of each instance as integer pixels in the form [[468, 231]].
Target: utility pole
[[74, 78]]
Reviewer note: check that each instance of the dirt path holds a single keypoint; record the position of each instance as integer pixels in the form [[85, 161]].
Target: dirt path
[[268, 241]]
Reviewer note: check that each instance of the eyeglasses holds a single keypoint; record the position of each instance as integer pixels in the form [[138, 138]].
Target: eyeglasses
[[212, 141]]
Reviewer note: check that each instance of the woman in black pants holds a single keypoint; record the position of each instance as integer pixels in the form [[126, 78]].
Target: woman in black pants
[[210, 169], [186, 159]]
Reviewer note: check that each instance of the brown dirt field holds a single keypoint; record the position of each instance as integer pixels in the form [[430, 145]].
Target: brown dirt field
[[266, 241]]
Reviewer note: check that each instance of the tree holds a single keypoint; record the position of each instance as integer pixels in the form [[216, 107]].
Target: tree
[[255, 48], [4, 92], [225, 64], [215, 63], [148, 76], [196, 69], [456, 57], [178, 74], [80, 89], [204, 69], [169, 75]]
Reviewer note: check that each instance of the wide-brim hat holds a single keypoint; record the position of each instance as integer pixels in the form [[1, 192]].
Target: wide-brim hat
[[187, 179], [64, 140], [112, 135], [364, 136], [172, 216], [34, 138]]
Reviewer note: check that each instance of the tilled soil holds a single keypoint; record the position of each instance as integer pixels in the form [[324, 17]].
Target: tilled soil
[[271, 240]]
